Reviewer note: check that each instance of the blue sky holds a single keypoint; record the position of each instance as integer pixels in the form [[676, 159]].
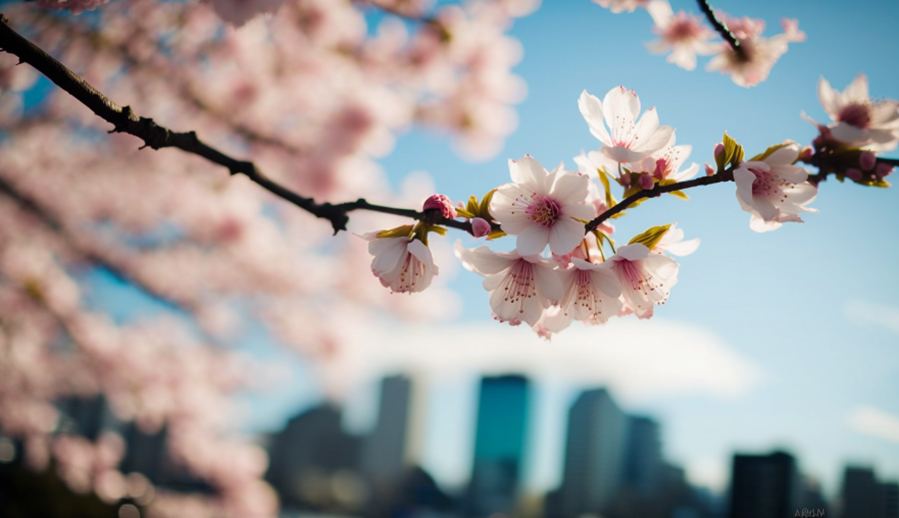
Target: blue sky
[[809, 304], [768, 340]]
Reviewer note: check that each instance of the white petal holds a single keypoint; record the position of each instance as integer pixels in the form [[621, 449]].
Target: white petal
[[744, 178], [633, 252], [481, 260], [565, 235], [846, 133], [388, 252], [591, 109], [857, 90], [549, 283], [620, 107], [683, 248], [784, 155], [827, 98], [661, 138], [533, 240], [570, 188], [529, 173]]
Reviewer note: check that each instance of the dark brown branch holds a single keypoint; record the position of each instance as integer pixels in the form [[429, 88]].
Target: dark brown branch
[[722, 29], [124, 120], [658, 189]]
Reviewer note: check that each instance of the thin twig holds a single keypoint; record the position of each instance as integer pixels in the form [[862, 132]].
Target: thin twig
[[658, 189], [722, 29], [124, 120]]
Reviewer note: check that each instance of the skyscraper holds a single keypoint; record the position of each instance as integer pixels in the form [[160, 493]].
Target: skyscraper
[[865, 497], [384, 450], [594, 455], [499, 444], [764, 486], [643, 456]]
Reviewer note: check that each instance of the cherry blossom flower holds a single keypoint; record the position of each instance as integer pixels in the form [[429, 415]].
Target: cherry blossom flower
[[666, 163], [520, 287], [620, 6], [759, 53], [403, 264], [859, 121], [540, 207], [591, 291], [552, 321], [684, 35], [646, 278], [673, 243], [773, 190], [630, 140]]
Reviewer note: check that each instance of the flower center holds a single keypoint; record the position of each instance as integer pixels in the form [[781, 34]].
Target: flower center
[[586, 296], [767, 184], [543, 211], [645, 290], [683, 29], [856, 114], [411, 274]]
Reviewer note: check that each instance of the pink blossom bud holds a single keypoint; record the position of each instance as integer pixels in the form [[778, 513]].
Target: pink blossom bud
[[854, 174], [625, 180], [883, 169], [646, 181], [867, 160], [709, 170], [719, 148], [441, 203], [806, 153], [480, 227]]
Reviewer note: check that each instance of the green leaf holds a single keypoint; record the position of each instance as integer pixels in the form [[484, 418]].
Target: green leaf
[[403, 231], [604, 178], [679, 194], [651, 237], [495, 234], [485, 205], [768, 152], [732, 155], [464, 213], [618, 215], [472, 205]]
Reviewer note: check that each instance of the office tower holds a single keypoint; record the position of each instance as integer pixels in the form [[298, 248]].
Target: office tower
[[764, 486], [865, 497], [643, 456], [384, 450], [594, 455], [311, 456], [499, 444]]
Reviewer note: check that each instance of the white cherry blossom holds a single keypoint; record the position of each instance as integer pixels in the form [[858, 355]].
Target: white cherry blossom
[[627, 139], [620, 6], [759, 53], [403, 264], [520, 287], [682, 34], [858, 120], [773, 190], [591, 291], [673, 243], [540, 207], [646, 278]]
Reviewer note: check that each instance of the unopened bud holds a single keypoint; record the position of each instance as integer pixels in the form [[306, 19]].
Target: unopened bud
[[480, 227], [719, 148], [441, 203], [883, 169], [709, 170], [867, 160], [854, 174], [625, 180], [646, 181], [806, 153]]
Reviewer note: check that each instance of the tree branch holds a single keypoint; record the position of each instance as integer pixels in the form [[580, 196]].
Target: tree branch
[[124, 120], [722, 29], [724, 176]]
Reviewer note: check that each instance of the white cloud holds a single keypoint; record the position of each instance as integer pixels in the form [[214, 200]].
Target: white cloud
[[638, 360], [873, 421], [871, 314], [709, 472]]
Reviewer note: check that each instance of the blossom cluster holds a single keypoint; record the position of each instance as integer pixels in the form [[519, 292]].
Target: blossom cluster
[[685, 36], [315, 95], [559, 270]]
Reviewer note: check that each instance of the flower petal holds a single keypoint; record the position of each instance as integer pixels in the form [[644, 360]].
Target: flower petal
[[533, 240], [591, 110]]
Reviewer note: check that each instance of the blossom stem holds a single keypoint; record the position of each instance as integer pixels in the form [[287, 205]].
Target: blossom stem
[[724, 176], [721, 27], [124, 120]]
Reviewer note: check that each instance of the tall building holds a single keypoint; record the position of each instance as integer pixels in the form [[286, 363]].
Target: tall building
[[764, 486], [384, 450], [503, 409], [312, 456], [643, 457], [594, 455], [863, 496]]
